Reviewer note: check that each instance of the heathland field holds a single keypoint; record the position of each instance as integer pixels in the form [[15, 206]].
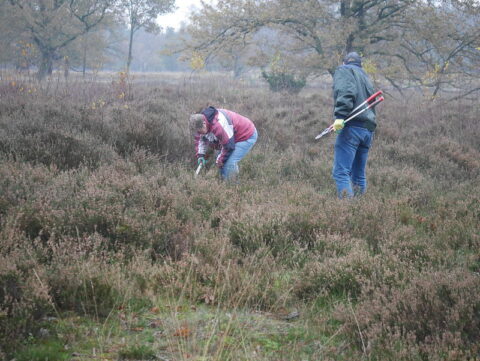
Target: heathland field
[[112, 250]]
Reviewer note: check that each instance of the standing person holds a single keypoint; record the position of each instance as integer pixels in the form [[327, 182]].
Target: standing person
[[351, 87], [223, 129]]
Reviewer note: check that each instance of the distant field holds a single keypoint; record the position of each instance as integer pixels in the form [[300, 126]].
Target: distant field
[[111, 249]]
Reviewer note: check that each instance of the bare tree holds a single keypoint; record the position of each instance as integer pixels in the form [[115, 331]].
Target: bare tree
[[143, 14], [53, 24], [317, 31], [12, 35], [439, 49], [451, 55]]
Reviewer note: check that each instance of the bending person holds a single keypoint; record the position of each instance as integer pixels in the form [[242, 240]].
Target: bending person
[[228, 131]]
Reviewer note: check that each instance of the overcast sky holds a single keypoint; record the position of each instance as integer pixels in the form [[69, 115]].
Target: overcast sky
[[184, 8]]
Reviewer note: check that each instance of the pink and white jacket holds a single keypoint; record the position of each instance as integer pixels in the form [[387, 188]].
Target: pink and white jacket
[[224, 129]]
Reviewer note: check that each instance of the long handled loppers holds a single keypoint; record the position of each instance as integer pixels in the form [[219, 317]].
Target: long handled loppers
[[372, 101]]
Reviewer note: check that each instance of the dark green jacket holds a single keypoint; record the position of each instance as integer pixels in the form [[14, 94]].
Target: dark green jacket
[[351, 87]]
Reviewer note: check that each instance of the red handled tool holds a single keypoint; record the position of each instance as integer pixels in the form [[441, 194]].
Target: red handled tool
[[372, 101]]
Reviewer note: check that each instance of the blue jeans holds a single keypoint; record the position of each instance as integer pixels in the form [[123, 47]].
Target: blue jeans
[[351, 153], [230, 168]]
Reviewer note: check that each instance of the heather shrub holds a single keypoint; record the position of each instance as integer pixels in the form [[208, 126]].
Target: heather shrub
[[369, 220], [88, 294], [19, 180], [304, 229], [49, 136], [292, 231], [10, 296], [112, 203], [216, 274], [395, 180], [33, 227], [151, 128], [279, 81], [435, 316], [71, 134], [456, 224], [250, 237], [100, 212], [340, 276], [405, 244], [22, 303], [46, 279], [464, 157]]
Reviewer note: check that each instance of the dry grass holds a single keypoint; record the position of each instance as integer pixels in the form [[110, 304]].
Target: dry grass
[[100, 217]]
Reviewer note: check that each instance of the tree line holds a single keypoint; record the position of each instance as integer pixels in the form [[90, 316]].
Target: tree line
[[434, 44], [430, 43], [45, 32]]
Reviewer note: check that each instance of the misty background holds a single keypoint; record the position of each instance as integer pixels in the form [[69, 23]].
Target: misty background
[[429, 46]]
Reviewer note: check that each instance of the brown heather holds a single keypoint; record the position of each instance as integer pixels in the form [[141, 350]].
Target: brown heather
[[99, 207]]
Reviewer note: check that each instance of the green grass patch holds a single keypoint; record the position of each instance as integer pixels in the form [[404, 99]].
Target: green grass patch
[[137, 352], [48, 351]]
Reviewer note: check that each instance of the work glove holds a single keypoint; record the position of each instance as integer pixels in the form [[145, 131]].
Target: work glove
[[338, 125], [202, 161]]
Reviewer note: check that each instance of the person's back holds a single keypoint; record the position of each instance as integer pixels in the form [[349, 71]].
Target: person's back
[[234, 133], [243, 127], [351, 87]]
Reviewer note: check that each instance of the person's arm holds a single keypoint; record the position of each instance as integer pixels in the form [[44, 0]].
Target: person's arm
[[344, 92], [201, 146], [225, 135]]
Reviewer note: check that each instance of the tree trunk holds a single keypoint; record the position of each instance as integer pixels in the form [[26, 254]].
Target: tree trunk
[[345, 8], [438, 84], [237, 66], [46, 64], [66, 70], [349, 44], [130, 45], [84, 60], [345, 13]]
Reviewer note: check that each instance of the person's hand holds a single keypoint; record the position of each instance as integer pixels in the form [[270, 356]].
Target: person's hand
[[219, 164], [338, 125], [202, 161]]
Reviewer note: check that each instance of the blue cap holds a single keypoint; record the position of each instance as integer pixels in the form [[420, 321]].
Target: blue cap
[[352, 58]]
